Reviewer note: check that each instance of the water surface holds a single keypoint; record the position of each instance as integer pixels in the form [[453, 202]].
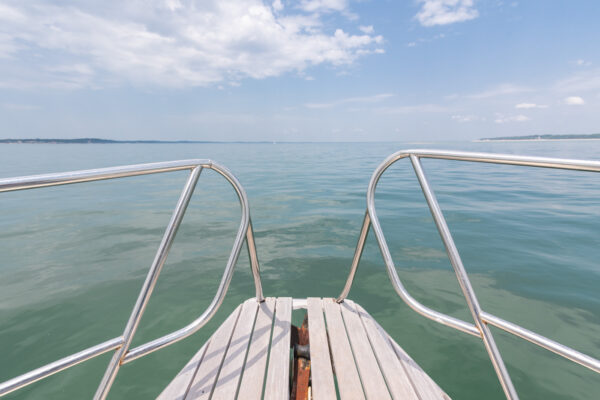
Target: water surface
[[74, 257]]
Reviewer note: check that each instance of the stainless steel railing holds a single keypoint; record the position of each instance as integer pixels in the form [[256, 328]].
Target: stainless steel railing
[[481, 318], [121, 343]]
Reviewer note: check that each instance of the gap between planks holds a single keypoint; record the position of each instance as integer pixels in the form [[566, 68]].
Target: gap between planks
[[249, 353]]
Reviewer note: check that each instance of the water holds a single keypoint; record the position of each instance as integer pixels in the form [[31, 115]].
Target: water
[[74, 257]]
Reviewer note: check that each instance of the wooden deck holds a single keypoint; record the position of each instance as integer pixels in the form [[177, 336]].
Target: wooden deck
[[351, 357]]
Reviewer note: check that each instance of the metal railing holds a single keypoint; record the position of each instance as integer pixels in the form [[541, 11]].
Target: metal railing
[[481, 318], [121, 343]]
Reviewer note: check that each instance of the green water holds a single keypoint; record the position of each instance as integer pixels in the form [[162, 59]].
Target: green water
[[74, 257]]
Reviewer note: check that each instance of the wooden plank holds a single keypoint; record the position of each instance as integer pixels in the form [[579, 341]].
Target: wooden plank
[[208, 370], [256, 362], [370, 374], [178, 387], [424, 385], [233, 365], [398, 382], [323, 386], [349, 385], [278, 374]]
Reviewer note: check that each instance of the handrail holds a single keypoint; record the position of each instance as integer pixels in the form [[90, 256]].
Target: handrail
[[121, 343], [480, 317]]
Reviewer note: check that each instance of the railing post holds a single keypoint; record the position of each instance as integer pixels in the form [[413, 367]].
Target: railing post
[[125, 355], [360, 245], [481, 317], [254, 261], [389, 262], [465, 284], [149, 284]]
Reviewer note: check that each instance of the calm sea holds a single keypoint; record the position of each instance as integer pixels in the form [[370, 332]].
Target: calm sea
[[73, 258]]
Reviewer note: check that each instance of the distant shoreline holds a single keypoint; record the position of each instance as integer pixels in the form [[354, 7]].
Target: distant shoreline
[[110, 141], [540, 138], [531, 140]]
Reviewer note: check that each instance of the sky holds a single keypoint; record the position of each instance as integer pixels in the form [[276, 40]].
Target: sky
[[305, 70]]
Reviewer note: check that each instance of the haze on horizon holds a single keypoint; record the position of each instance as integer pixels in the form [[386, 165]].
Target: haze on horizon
[[308, 70]]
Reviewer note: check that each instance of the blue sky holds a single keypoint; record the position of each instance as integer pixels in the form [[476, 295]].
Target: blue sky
[[307, 70]]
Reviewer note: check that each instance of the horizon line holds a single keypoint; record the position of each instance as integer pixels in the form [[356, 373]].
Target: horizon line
[[89, 140]]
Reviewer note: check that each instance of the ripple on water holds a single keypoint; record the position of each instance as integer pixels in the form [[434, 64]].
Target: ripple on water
[[75, 257]]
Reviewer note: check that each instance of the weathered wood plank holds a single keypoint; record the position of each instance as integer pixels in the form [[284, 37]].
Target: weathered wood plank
[[208, 370], [349, 385], [254, 370], [233, 365], [323, 386], [424, 385], [366, 359], [370, 374], [178, 387], [278, 374], [398, 382]]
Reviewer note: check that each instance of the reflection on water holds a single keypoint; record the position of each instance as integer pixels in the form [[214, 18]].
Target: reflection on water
[[74, 257]]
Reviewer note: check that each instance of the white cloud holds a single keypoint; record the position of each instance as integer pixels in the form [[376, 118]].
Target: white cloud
[[277, 5], [173, 4], [351, 100], [367, 29], [168, 43], [530, 105], [586, 80], [574, 101], [466, 118], [324, 5], [502, 119], [426, 40], [499, 90], [582, 63], [412, 109], [443, 12]]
